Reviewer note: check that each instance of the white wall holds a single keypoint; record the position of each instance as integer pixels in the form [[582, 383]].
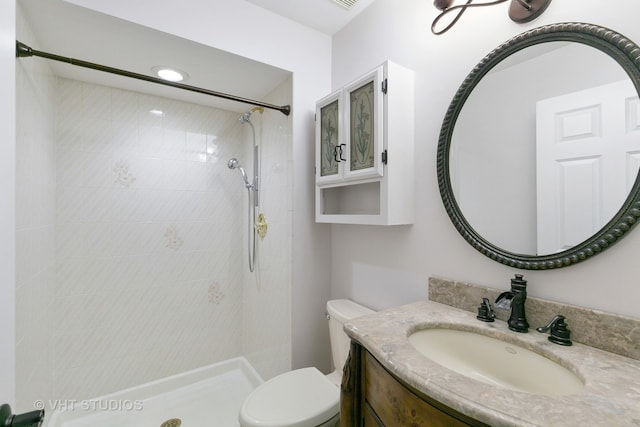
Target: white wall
[[244, 29], [400, 31], [7, 195], [35, 225]]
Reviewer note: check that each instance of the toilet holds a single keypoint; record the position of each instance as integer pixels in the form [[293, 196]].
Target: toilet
[[305, 397]]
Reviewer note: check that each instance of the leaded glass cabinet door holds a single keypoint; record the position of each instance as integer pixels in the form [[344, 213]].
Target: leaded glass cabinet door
[[364, 134], [330, 147]]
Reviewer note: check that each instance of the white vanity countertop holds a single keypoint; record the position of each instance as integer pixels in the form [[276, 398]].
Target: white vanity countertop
[[611, 396]]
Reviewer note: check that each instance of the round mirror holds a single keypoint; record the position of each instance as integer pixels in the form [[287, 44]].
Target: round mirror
[[539, 151]]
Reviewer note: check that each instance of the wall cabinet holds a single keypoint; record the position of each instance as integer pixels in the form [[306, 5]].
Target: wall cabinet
[[371, 396], [364, 150]]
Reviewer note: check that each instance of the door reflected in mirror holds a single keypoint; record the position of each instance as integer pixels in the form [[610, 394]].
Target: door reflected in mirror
[[546, 149]]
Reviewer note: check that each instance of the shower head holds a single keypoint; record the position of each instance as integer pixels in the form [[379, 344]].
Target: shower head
[[234, 164], [245, 117]]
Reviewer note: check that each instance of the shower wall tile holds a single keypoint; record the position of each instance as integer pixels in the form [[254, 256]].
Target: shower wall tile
[[146, 106], [124, 109], [148, 220], [175, 116], [96, 102], [267, 292], [35, 225]]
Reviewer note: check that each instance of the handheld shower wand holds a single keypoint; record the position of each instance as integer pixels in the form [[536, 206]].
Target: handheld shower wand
[[234, 164], [252, 191], [251, 212]]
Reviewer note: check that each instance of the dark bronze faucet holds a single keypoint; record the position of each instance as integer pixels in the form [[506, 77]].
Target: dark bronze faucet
[[514, 300]]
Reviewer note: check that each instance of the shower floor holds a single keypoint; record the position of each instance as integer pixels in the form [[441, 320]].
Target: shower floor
[[207, 397]]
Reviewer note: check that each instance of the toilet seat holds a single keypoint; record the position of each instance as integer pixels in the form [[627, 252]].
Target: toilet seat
[[300, 398]]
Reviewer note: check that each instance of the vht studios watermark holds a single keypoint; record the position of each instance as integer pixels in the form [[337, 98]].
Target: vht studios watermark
[[90, 405]]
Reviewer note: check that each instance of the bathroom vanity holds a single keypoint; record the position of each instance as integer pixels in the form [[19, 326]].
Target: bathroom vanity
[[386, 400], [389, 382]]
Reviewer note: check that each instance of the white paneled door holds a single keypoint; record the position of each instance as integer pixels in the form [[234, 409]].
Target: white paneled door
[[588, 153]]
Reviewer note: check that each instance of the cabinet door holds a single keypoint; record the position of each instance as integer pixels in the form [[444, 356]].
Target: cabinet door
[[330, 148], [364, 120], [396, 405]]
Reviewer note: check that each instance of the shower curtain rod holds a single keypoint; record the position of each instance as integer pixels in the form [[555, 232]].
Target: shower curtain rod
[[22, 50]]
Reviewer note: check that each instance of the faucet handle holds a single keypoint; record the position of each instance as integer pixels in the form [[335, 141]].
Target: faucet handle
[[485, 312], [560, 334], [29, 419]]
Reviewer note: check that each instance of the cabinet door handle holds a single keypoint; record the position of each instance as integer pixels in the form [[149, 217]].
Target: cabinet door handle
[[342, 158], [335, 153]]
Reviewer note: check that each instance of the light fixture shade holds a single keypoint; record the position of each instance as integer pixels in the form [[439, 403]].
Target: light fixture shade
[[519, 13], [442, 4]]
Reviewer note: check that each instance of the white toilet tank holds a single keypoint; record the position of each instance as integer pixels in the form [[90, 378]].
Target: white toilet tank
[[305, 397], [340, 311]]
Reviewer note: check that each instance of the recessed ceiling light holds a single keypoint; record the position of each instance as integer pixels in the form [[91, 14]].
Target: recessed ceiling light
[[158, 113], [169, 73]]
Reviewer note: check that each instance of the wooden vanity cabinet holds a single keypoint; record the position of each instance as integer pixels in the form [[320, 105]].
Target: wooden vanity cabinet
[[371, 396]]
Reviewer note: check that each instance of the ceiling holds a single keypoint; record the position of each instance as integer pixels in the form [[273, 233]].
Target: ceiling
[[326, 16], [84, 34]]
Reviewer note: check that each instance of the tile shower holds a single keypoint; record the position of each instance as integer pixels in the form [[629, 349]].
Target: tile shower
[[148, 256], [130, 238]]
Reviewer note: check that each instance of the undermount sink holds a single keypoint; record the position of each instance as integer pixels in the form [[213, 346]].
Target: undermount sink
[[495, 362]]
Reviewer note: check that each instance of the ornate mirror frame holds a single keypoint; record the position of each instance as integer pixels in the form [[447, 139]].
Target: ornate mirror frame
[[627, 55]]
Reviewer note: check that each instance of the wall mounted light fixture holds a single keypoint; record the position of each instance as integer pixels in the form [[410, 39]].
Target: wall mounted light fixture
[[519, 11]]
